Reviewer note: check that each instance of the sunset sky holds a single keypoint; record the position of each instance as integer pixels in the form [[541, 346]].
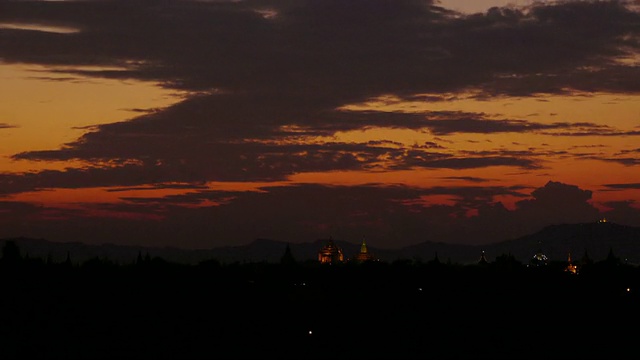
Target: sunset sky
[[200, 124]]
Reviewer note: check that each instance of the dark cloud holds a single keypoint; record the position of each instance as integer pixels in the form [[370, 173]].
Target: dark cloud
[[200, 162], [445, 123], [632, 151], [126, 175], [623, 186], [190, 186], [388, 216], [558, 203], [574, 44], [65, 79], [430, 145], [603, 131], [332, 49], [7, 126], [218, 139], [140, 110], [627, 161], [466, 178], [589, 146], [474, 162], [279, 70]]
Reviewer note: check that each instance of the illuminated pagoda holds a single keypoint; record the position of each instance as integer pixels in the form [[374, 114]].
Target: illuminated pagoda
[[539, 258], [364, 254], [571, 267], [330, 253]]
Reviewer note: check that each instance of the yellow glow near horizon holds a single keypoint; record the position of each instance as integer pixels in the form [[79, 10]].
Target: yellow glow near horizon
[[46, 109]]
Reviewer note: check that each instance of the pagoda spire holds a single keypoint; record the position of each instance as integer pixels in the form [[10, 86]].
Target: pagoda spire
[[363, 247], [364, 254], [571, 267]]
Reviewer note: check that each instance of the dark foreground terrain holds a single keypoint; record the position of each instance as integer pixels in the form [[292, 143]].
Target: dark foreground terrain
[[403, 310]]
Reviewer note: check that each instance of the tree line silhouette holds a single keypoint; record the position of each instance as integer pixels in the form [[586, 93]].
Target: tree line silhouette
[[409, 308]]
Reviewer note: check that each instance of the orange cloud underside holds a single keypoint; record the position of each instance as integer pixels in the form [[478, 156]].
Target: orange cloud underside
[[46, 111]]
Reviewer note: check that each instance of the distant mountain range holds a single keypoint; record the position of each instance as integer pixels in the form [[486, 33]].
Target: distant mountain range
[[594, 240]]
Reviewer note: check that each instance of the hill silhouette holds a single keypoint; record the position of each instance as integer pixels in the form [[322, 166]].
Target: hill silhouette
[[557, 242]]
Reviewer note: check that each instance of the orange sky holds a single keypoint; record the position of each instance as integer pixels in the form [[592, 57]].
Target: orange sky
[[134, 130]]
